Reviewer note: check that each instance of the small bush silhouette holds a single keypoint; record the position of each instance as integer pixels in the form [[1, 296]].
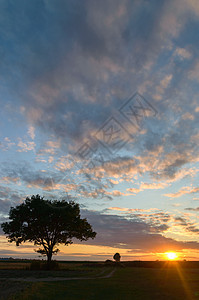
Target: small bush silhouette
[[117, 257], [109, 262]]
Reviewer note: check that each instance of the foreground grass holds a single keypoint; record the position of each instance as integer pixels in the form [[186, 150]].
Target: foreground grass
[[13, 265], [21, 270], [126, 283], [8, 288], [7, 274]]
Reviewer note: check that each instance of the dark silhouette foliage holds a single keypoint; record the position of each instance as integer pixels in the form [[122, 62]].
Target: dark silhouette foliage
[[117, 257], [42, 266], [46, 223]]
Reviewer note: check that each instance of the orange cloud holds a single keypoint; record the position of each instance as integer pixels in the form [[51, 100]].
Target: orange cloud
[[185, 190]]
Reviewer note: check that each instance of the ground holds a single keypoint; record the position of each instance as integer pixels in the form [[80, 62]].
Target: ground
[[99, 281]]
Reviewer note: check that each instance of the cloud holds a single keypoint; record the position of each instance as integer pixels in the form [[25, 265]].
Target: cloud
[[164, 83], [183, 53], [183, 191], [132, 209], [25, 146], [60, 100], [148, 186], [100, 58], [53, 144], [187, 224], [192, 209], [31, 132], [194, 73], [7, 179], [8, 198], [117, 231], [6, 144]]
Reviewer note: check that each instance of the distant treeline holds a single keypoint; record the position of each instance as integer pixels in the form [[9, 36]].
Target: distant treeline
[[148, 264], [157, 264], [133, 264]]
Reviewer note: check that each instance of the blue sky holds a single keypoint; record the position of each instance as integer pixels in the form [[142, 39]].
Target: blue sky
[[99, 103]]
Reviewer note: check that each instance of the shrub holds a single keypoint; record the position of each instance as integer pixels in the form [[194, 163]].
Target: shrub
[[38, 265]]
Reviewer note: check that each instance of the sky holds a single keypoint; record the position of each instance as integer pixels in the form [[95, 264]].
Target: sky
[[99, 104]]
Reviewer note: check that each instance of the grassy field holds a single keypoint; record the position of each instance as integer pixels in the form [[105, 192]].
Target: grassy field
[[128, 282]]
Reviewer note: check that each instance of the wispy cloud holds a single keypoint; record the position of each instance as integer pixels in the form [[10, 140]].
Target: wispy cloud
[[185, 190]]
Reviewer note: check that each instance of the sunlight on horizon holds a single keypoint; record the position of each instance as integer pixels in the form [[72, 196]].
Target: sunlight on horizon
[[171, 255]]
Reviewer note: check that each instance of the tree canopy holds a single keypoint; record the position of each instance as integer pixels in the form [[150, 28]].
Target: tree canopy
[[47, 223]]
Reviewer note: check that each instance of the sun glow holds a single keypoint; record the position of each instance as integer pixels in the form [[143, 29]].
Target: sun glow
[[171, 255]]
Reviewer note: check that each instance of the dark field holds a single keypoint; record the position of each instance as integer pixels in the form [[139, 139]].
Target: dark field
[[130, 280]]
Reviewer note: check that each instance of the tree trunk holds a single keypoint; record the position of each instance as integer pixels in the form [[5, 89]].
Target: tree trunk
[[49, 256]]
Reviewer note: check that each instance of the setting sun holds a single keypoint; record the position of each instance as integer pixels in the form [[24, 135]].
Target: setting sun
[[171, 255]]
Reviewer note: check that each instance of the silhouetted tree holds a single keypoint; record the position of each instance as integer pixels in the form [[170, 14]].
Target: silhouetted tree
[[46, 223], [116, 257]]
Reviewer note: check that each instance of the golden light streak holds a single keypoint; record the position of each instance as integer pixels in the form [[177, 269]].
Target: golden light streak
[[184, 282]]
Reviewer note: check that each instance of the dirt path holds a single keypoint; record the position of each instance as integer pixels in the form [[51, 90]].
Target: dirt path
[[33, 279]]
